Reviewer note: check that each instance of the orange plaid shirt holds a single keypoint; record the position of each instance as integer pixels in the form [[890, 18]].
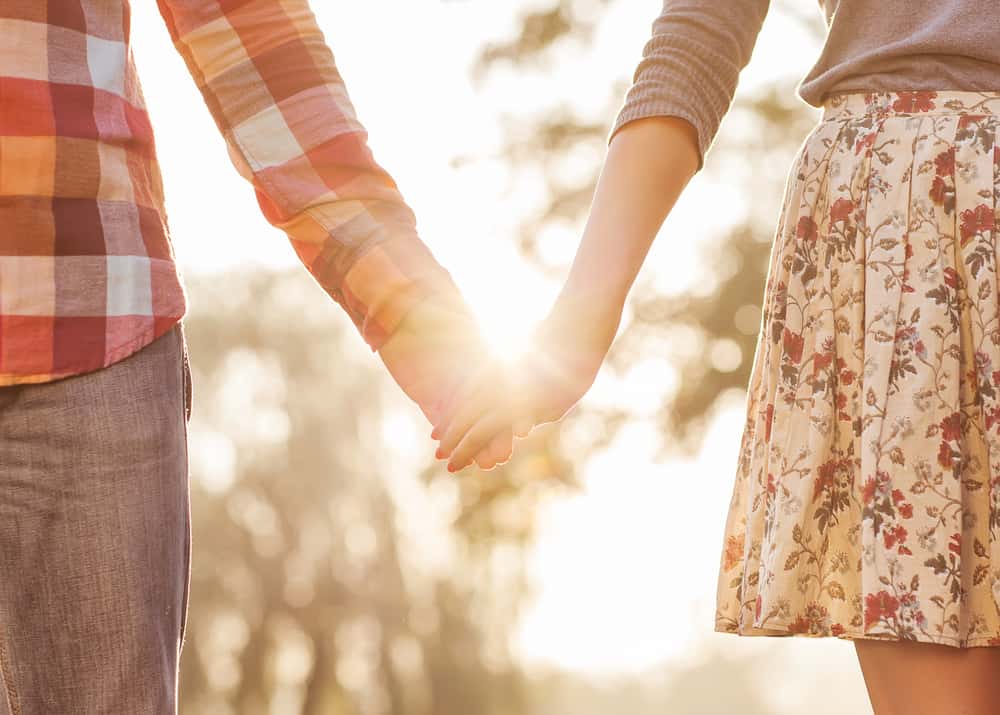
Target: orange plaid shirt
[[87, 270]]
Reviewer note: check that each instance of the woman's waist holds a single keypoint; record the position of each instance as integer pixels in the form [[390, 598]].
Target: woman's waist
[[884, 103]]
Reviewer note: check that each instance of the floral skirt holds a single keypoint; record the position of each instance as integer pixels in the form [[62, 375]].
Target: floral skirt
[[866, 503]]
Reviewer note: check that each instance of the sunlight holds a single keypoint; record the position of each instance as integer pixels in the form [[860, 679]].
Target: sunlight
[[634, 509], [508, 337], [509, 299]]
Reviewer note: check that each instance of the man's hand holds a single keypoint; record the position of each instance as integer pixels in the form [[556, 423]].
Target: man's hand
[[437, 348], [568, 350]]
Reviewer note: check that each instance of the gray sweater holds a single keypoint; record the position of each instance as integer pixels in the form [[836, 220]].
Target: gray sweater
[[691, 65]]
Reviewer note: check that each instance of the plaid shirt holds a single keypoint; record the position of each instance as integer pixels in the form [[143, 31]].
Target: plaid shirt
[[87, 270]]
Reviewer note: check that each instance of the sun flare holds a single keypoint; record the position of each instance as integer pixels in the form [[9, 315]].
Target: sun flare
[[505, 331]]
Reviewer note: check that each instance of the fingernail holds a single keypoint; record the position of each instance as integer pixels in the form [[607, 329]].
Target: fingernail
[[451, 468], [439, 454], [434, 433]]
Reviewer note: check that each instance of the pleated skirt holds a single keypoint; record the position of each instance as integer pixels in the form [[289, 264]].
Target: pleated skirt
[[866, 502]]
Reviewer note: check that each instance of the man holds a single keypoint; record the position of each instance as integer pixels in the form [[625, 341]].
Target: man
[[95, 389]]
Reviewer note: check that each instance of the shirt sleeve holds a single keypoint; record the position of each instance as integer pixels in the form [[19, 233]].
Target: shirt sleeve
[[270, 82], [691, 65]]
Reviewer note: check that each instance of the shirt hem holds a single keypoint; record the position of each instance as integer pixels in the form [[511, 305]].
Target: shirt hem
[[116, 354]]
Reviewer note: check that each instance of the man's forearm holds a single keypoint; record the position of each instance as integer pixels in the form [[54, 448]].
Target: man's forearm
[[273, 88], [649, 163]]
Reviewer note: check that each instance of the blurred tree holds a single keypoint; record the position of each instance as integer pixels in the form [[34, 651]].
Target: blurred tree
[[307, 596]]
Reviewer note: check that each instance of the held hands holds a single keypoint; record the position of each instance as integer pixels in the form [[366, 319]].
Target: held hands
[[499, 400], [434, 350]]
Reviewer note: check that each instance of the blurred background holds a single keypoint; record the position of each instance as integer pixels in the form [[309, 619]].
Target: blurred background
[[337, 568]]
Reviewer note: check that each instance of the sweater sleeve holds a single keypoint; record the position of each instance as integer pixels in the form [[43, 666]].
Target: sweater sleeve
[[691, 65]]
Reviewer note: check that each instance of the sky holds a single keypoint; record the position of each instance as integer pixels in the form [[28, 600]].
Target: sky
[[407, 67]]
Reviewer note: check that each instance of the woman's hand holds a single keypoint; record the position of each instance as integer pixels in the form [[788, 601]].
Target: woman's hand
[[436, 348], [542, 386]]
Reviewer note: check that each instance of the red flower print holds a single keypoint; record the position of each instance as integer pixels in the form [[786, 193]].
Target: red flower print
[[821, 361], [880, 605], [806, 229], [950, 277], [897, 496], [811, 621], [891, 537], [906, 510], [965, 120], [866, 142], [938, 190], [793, 345], [992, 418], [799, 625], [826, 475], [868, 491], [841, 210], [768, 419], [955, 544], [951, 427], [944, 163], [996, 377], [734, 551], [836, 629], [975, 221], [914, 101], [944, 455], [847, 377]]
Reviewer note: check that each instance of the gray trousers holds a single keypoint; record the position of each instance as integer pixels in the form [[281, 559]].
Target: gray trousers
[[95, 537]]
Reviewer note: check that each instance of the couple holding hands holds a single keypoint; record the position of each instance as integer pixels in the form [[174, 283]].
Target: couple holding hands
[[882, 281]]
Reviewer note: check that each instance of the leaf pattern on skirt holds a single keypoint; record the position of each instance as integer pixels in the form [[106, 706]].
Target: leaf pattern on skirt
[[866, 502]]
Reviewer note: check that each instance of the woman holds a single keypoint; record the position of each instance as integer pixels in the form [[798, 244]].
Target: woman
[[866, 505]]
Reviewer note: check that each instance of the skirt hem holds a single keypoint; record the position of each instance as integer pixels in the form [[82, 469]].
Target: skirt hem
[[782, 631]]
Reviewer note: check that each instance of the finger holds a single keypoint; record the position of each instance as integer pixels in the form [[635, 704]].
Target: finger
[[478, 436], [478, 402], [523, 427], [474, 378], [497, 451]]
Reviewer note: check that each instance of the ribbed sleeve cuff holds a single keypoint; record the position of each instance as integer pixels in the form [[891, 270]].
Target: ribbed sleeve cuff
[[665, 108], [689, 69]]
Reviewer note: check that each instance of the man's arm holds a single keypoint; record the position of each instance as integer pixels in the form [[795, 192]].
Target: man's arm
[[271, 84]]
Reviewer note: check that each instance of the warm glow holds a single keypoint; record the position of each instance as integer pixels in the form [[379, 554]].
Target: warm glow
[[641, 541]]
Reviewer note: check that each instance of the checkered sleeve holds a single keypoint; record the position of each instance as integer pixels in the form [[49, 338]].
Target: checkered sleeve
[[271, 84]]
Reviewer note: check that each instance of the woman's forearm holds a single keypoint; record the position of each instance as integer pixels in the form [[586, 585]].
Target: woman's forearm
[[649, 162]]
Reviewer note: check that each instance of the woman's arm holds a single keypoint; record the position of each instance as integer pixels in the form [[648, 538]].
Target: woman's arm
[[649, 162], [681, 90]]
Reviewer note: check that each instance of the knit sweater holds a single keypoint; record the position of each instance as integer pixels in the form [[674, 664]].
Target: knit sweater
[[691, 64]]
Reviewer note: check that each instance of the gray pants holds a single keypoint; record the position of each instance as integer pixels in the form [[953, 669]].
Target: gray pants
[[95, 537]]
